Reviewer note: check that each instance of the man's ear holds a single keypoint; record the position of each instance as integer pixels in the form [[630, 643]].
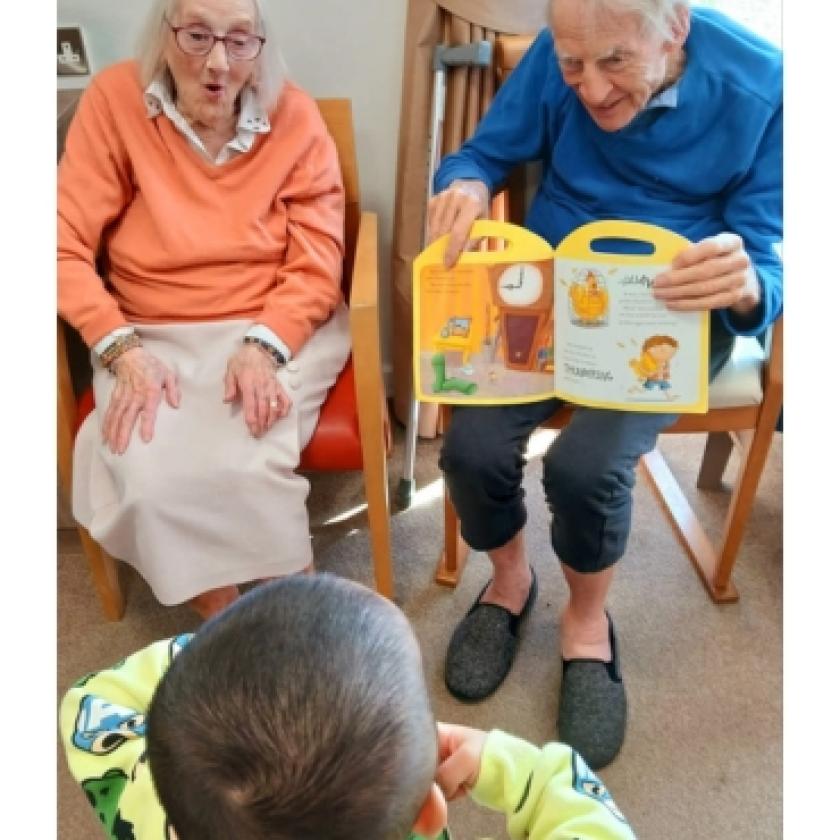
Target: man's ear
[[681, 25], [433, 814]]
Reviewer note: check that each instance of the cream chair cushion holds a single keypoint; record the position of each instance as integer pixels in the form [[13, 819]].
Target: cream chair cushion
[[739, 383]]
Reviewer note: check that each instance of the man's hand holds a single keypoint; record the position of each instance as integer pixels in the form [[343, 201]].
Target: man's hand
[[715, 273], [141, 377], [459, 758], [453, 211], [253, 375]]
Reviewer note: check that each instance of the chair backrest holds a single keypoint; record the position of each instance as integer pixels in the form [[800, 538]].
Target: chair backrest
[[338, 116], [509, 50]]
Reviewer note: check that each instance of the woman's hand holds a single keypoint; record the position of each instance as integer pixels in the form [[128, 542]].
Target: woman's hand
[[459, 758], [141, 377], [453, 211], [715, 273], [253, 375]]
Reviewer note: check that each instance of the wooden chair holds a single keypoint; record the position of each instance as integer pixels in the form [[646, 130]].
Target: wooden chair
[[353, 431], [745, 400]]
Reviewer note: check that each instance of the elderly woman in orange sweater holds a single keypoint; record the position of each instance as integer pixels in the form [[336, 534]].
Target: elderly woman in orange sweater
[[210, 189]]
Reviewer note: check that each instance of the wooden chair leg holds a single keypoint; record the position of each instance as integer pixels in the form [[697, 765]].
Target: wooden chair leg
[[453, 558], [105, 571], [715, 458], [455, 551], [755, 454], [690, 533]]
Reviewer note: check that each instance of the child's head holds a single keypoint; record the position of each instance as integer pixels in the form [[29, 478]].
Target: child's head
[[299, 712], [661, 347]]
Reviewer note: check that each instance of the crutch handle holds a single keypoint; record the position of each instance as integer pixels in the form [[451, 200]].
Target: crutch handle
[[477, 54]]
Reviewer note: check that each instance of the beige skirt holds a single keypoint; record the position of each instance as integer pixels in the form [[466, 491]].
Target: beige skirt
[[204, 504]]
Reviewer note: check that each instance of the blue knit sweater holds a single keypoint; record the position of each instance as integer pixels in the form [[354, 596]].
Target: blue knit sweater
[[713, 163]]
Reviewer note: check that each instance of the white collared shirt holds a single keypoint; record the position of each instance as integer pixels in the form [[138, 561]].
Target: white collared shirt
[[667, 98], [252, 120]]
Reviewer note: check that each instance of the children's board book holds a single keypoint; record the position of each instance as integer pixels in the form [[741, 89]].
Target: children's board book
[[579, 322]]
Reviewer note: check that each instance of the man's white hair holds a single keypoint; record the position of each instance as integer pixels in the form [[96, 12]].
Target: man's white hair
[[269, 68], [660, 16]]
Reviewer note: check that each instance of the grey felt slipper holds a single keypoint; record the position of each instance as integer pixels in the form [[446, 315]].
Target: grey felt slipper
[[593, 706], [482, 647]]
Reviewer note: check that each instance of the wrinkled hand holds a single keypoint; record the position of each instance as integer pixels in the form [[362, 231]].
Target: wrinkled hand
[[459, 758], [141, 378], [253, 375], [453, 211], [715, 273]]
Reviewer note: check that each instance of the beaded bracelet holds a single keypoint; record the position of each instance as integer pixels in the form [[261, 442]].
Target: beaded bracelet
[[117, 347], [277, 357]]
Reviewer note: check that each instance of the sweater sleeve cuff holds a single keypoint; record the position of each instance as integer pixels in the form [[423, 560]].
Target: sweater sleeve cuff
[[506, 764], [753, 324], [265, 333], [464, 171], [105, 342]]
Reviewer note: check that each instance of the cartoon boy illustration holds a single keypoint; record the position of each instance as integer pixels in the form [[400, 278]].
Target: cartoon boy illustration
[[653, 367]]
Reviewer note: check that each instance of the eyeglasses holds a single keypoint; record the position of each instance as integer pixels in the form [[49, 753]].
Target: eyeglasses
[[198, 40]]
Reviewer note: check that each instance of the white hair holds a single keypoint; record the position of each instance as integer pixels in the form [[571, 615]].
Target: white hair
[[269, 67], [660, 16]]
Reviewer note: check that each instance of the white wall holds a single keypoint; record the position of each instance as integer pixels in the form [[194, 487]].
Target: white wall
[[333, 48], [762, 16]]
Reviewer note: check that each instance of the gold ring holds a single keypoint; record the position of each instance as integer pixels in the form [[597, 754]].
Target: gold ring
[[272, 404]]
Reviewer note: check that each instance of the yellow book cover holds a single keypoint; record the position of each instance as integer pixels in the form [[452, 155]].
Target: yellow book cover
[[579, 322]]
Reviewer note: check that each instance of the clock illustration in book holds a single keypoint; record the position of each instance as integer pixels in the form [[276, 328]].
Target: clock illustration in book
[[523, 294]]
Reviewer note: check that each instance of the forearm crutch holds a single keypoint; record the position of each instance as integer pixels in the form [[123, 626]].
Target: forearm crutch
[[477, 54]]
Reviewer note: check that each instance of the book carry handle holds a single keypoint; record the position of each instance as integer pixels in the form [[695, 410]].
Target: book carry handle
[[578, 244], [521, 244]]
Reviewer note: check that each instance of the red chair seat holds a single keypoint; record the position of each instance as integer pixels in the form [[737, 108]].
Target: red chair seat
[[336, 444]]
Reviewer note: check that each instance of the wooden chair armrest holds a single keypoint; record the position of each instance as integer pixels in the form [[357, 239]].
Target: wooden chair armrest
[[773, 363], [66, 411], [364, 290], [364, 320]]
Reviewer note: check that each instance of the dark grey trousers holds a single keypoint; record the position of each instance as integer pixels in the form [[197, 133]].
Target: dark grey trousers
[[588, 476], [588, 473]]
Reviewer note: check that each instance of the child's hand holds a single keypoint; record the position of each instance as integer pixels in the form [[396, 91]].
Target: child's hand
[[459, 758]]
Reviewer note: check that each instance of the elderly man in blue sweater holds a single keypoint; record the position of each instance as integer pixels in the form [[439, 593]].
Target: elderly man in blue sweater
[[637, 109]]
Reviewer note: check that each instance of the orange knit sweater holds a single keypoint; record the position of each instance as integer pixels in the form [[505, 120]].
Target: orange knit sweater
[[259, 237]]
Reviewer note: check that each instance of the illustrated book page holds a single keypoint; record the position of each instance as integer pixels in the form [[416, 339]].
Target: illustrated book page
[[524, 322]]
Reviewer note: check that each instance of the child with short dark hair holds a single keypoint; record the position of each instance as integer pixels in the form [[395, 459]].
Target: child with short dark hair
[[301, 713]]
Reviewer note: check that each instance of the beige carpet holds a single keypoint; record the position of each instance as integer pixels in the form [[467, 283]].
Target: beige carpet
[[702, 757]]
